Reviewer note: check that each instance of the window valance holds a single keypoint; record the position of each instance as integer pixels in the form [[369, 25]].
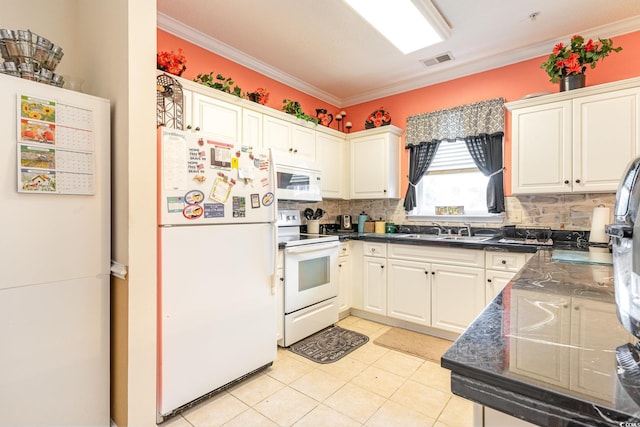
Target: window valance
[[484, 117]]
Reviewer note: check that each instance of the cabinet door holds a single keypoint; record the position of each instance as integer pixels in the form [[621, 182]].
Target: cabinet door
[[276, 134], [495, 283], [344, 283], [538, 317], [592, 347], [303, 142], [219, 119], [251, 128], [541, 149], [457, 296], [375, 285], [409, 291], [369, 167], [330, 157], [605, 136]]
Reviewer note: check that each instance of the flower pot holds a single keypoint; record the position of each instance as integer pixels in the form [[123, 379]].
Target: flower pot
[[574, 81]]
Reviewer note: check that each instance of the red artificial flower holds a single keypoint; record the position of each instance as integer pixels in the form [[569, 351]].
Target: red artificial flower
[[171, 62], [557, 48], [589, 47]]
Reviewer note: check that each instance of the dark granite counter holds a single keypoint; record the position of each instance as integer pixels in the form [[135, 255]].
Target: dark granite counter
[[544, 349]]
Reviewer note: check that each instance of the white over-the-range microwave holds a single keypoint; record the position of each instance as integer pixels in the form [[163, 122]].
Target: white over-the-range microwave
[[300, 182]]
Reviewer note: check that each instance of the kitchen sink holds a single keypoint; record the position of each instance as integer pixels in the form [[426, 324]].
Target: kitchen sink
[[423, 236], [466, 238], [447, 237]]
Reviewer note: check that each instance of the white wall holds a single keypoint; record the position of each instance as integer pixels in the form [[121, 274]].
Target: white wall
[[111, 45]]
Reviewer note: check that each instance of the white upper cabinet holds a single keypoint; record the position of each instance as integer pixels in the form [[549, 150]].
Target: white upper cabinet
[[541, 148], [251, 128], [375, 163], [289, 141], [605, 138], [575, 141], [332, 158], [220, 119]]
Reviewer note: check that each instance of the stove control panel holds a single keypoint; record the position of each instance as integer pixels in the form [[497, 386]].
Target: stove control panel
[[289, 217]]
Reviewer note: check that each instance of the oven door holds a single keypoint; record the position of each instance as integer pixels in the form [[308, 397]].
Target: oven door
[[310, 274]]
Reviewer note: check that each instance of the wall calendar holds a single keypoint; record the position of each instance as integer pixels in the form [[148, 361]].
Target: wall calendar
[[56, 153]]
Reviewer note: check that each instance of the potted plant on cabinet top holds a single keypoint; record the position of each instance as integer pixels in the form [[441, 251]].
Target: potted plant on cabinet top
[[172, 63], [567, 64], [219, 82], [293, 107]]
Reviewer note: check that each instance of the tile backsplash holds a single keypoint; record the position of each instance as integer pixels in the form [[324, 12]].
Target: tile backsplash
[[556, 211]]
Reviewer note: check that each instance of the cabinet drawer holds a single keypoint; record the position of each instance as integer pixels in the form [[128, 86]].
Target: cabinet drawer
[[375, 249], [345, 249], [506, 261], [452, 256]]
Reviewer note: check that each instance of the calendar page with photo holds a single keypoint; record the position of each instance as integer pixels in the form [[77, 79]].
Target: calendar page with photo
[[56, 152]]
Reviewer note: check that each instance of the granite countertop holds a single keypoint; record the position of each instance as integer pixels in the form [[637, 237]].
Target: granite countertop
[[491, 244], [544, 349]]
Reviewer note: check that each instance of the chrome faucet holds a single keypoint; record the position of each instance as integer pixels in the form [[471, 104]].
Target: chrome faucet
[[467, 227], [441, 229]]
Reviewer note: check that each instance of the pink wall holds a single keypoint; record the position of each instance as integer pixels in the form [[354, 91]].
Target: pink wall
[[202, 61], [511, 82]]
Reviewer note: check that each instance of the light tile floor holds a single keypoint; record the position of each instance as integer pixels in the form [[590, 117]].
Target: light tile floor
[[372, 386]]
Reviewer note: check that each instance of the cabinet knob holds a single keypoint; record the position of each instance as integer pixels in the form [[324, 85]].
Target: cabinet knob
[[373, 250], [566, 181], [282, 279], [382, 266], [433, 273], [295, 151], [504, 261], [577, 181], [489, 280], [384, 191], [339, 265], [291, 150], [197, 128], [426, 272]]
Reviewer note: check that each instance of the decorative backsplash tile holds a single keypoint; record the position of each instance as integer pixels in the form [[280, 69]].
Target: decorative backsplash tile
[[555, 211]]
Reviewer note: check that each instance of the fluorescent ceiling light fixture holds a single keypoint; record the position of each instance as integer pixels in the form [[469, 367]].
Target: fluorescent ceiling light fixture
[[409, 25]]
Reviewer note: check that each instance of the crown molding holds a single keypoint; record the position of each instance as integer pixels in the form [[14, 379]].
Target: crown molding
[[448, 71]]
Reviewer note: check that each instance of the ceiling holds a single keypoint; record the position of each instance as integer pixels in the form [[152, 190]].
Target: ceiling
[[323, 48]]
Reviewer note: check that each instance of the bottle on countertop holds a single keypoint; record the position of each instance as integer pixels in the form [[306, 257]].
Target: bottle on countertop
[[362, 218]]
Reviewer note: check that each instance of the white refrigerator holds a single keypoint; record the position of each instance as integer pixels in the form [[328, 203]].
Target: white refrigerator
[[55, 256], [217, 253]]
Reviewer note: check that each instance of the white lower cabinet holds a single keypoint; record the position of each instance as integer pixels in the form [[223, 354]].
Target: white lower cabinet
[[409, 291], [577, 355], [457, 296], [344, 277], [375, 285], [501, 267], [430, 286], [551, 324]]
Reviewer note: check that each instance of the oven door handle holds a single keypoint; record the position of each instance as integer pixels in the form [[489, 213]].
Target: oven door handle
[[302, 249]]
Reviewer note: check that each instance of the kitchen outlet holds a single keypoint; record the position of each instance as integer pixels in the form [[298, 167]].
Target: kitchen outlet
[[515, 216]]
